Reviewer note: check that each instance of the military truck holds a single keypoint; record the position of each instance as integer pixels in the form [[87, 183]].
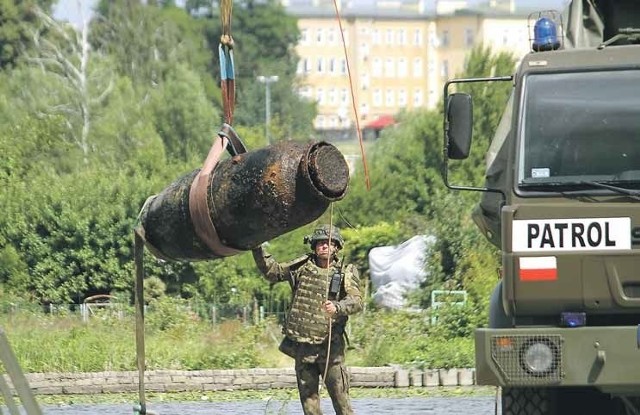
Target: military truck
[[561, 200]]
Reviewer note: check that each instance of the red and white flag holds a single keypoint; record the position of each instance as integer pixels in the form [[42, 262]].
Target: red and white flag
[[541, 268]]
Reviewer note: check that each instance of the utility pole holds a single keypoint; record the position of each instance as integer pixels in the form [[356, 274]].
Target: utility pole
[[267, 81]]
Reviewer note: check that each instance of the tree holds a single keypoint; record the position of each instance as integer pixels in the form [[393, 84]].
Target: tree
[[265, 38], [64, 54], [188, 124], [16, 17]]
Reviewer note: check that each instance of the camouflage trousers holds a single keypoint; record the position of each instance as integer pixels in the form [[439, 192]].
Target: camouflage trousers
[[310, 367], [337, 383]]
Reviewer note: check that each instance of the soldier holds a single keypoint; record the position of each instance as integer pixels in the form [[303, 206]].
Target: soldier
[[323, 290]]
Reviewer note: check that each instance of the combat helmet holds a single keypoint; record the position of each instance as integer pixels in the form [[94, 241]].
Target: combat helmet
[[322, 233]]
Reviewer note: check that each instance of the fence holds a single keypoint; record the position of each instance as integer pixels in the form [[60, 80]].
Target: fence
[[214, 313]]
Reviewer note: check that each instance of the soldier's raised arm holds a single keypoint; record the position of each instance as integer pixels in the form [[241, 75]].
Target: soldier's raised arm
[[269, 267]]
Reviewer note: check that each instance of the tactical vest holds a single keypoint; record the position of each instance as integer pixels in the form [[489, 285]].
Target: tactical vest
[[306, 322]]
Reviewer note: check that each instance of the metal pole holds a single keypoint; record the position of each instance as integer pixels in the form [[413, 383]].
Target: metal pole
[[267, 108], [8, 397], [17, 377], [138, 253]]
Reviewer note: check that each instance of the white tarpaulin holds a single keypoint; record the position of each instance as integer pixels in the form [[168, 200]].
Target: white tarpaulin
[[395, 270]]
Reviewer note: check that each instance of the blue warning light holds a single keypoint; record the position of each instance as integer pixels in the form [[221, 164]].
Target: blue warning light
[[545, 35]]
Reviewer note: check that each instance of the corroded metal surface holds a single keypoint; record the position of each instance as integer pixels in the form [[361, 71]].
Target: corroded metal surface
[[252, 198]]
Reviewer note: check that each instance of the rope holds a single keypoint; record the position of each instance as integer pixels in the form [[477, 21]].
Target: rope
[[227, 69], [353, 99], [326, 364]]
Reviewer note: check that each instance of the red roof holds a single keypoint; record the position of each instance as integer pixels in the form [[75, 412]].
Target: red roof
[[381, 122]]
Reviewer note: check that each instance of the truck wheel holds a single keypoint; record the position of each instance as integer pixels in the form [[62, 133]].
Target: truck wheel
[[527, 401], [497, 317]]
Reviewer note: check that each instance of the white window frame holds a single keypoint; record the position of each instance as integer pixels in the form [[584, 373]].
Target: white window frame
[[389, 68], [417, 67], [418, 98], [377, 97], [389, 98], [376, 68], [402, 97]]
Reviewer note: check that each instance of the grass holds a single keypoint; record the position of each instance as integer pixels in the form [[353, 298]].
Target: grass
[[45, 343]]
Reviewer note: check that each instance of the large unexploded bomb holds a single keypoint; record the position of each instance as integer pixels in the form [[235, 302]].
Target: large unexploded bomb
[[236, 204]]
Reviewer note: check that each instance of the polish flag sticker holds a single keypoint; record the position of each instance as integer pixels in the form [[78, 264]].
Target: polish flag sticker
[[541, 268]]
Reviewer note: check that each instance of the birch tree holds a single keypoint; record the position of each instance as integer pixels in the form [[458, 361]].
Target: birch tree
[[64, 54]]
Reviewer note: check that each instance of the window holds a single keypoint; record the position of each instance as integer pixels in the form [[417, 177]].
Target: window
[[445, 38], [320, 65], [345, 34], [433, 39], [331, 36], [364, 110], [319, 122], [564, 124], [364, 81], [468, 37], [402, 37], [319, 36], [364, 50], [402, 97], [377, 97], [445, 69], [305, 92], [332, 96], [390, 99], [389, 68], [417, 37], [417, 97], [343, 96], [402, 67], [417, 67], [320, 96], [343, 66], [377, 68], [332, 66], [389, 37], [432, 66], [375, 37], [306, 66], [304, 36]]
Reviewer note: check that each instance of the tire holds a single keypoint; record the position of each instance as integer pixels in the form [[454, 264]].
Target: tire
[[527, 401], [498, 318], [561, 401]]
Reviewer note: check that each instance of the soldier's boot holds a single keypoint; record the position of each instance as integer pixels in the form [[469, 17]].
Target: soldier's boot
[[337, 383]]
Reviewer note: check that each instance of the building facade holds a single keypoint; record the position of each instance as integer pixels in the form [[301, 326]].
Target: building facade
[[400, 53]]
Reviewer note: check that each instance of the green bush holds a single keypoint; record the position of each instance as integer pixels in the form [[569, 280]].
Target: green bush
[[444, 353]]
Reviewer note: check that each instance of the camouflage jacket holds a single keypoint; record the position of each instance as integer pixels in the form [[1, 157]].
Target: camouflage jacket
[[306, 322]]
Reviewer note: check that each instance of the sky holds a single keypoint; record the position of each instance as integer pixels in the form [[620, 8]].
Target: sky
[[73, 10]]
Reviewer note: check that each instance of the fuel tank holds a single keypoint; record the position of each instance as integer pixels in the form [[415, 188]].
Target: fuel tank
[[243, 201]]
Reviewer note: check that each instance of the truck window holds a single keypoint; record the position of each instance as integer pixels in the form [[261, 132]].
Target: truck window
[[580, 126]]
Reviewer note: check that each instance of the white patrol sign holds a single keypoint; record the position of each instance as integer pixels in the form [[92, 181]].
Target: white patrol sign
[[571, 234]]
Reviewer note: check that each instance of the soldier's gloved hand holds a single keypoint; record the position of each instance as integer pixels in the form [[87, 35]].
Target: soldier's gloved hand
[[330, 308], [259, 250]]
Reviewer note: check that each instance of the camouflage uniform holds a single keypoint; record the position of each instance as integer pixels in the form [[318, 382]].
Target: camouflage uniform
[[307, 329]]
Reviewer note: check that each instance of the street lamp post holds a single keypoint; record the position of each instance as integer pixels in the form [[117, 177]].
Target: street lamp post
[[267, 81]]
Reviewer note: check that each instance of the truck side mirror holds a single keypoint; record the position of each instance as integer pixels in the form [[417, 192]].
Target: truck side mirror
[[460, 124]]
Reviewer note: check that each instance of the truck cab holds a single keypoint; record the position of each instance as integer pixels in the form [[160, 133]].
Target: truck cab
[[562, 202]]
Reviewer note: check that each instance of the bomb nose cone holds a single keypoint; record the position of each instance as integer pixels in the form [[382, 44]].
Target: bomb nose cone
[[328, 170]]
